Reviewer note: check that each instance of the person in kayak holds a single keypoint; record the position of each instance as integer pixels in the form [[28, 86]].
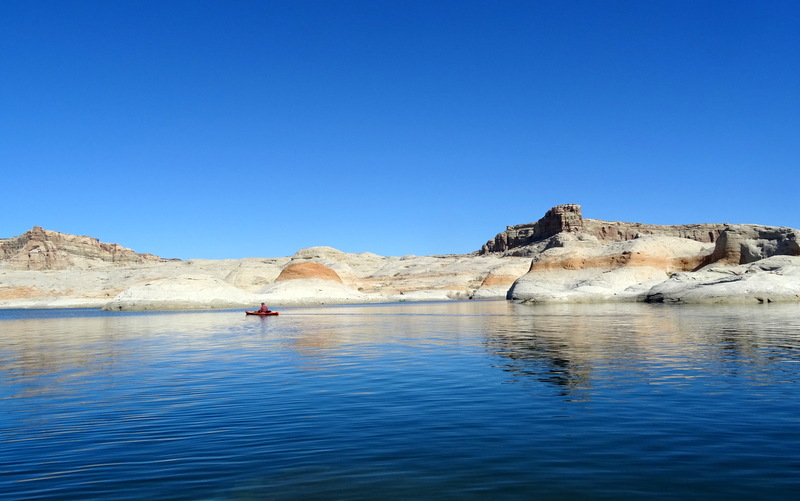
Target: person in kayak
[[263, 308]]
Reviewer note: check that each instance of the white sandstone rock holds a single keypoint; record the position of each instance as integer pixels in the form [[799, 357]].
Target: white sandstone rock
[[183, 292], [577, 271], [313, 291], [774, 279]]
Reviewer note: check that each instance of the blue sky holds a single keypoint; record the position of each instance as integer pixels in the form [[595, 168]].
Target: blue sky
[[215, 129]]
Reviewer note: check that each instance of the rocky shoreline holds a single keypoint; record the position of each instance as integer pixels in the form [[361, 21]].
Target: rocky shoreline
[[560, 258]]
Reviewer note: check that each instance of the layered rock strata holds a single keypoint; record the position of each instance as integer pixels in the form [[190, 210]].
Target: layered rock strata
[[743, 244], [310, 270], [40, 249], [770, 280], [575, 270], [602, 261], [522, 240], [308, 282]]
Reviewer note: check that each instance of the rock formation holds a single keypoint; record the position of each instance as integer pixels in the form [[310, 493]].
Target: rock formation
[[769, 280], [496, 283], [181, 293], [253, 274], [587, 270], [591, 260], [562, 218], [742, 244], [309, 282], [40, 249], [560, 258], [522, 240], [297, 271]]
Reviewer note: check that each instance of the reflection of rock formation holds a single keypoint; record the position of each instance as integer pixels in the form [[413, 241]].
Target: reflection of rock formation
[[574, 350], [572, 346], [38, 349], [55, 354], [540, 359], [579, 347]]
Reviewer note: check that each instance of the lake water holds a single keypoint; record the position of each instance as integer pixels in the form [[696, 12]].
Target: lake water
[[463, 400]]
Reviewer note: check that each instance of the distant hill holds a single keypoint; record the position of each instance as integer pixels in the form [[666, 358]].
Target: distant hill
[[40, 249]]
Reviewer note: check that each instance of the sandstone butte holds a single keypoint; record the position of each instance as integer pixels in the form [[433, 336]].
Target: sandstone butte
[[561, 258]]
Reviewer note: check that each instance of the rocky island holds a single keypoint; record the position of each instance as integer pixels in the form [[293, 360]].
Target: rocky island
[[562, 257]]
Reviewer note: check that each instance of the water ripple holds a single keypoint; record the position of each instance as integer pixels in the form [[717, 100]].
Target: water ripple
[[455, 400]]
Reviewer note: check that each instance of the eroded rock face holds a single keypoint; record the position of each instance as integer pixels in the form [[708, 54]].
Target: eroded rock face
[[307, 270], [40, 249], [182, 292], [773, 279], [522, 240], [574, 269], [314, 291], [561, 218], [742, 244], [608, 261], [252, 274], [500, 278]]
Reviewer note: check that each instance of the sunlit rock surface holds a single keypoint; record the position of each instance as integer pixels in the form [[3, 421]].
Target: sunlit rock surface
[[585, 270], [183, 292], [40, 249], [768, 280], [579, 260], [560, 258]]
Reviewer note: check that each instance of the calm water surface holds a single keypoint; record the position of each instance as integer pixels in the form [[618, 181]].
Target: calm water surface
[[465, 400]]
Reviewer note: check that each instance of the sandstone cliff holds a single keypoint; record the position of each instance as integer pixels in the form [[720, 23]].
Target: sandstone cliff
[[522, 240], [582, 260], [40, 249]]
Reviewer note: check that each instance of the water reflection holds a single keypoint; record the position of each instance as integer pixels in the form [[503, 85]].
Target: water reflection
[[42, 355], [576, 347], [460, 400], [570, 347], [563, 345]]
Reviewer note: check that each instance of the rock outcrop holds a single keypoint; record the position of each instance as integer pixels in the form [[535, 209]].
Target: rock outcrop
[[181, 293], [296, 271], [252, 274], [40, 249], [591, 260], [496, 283], [586, 270], [515, 239], [309, 282], [742, 244], [770, 280], [305, 291], [522, 240]]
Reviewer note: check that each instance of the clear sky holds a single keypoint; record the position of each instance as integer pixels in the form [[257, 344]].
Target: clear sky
[[219, 129]]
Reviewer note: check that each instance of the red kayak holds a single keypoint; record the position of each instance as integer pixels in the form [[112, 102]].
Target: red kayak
[[261, 314]]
